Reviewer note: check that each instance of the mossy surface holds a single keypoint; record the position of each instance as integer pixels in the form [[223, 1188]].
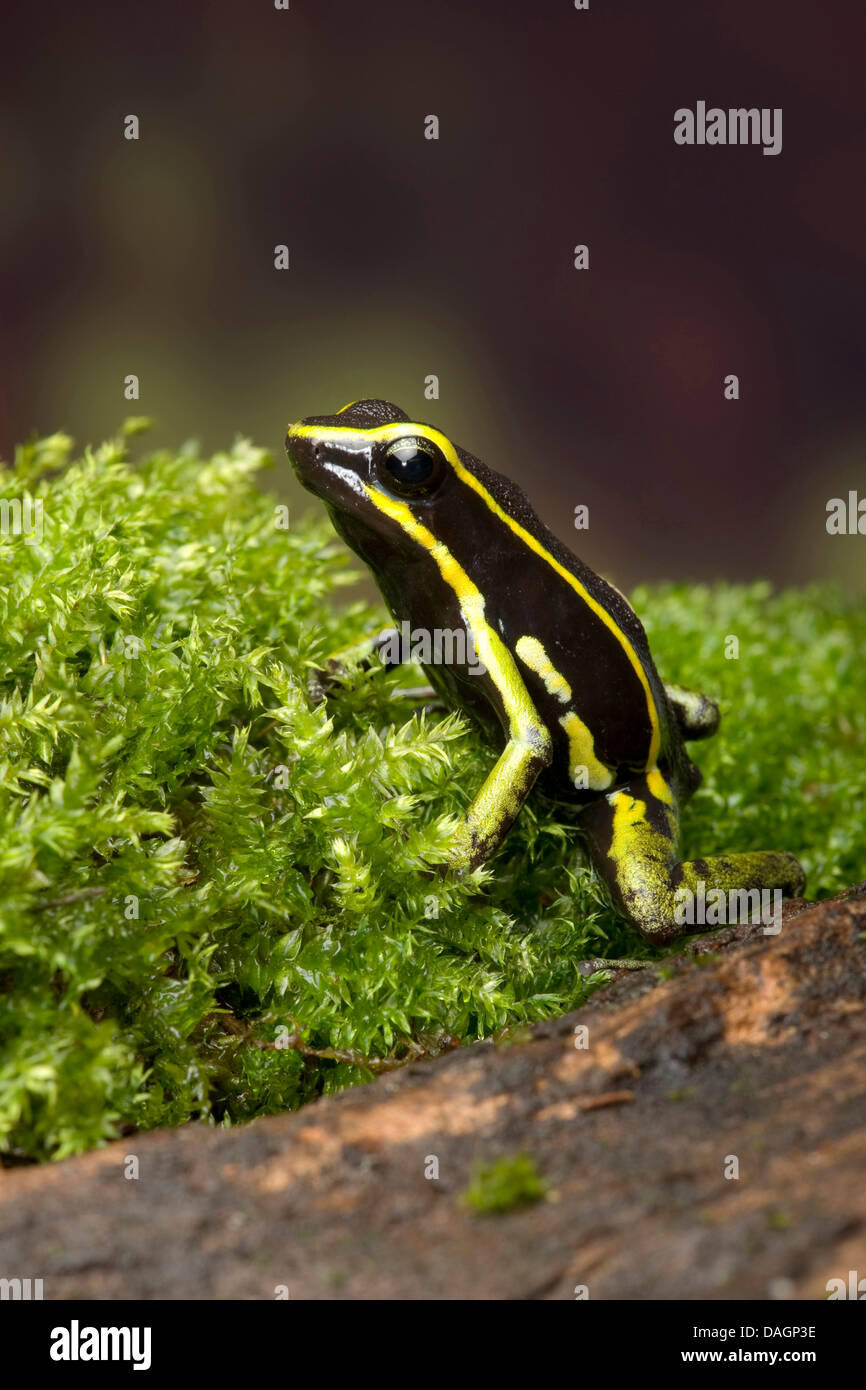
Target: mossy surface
[[217, 900], [504, 1185]]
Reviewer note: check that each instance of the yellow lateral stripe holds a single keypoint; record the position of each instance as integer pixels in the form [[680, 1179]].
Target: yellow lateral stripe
[[491, 651], [581, 744], [533, 655], [581, 754], [659, 787], [405, 427]]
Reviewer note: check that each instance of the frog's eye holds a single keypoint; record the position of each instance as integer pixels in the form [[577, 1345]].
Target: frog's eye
[[412, 468]]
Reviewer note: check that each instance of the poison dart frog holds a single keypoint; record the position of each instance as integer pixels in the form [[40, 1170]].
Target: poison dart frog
[[556, 660]]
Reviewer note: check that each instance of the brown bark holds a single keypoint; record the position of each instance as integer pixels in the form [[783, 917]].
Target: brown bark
[[759, 1053]]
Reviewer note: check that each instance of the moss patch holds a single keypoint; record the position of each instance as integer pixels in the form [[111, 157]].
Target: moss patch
[[218, 901], [504, 1185]]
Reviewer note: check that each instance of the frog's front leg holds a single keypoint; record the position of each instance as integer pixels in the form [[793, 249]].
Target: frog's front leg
[[492, 813], [631, 835]]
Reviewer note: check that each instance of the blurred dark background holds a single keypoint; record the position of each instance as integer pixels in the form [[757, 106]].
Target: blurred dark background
[[455, 257]]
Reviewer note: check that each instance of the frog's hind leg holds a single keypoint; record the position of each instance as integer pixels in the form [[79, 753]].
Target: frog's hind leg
[[696, 715], [631, 835]]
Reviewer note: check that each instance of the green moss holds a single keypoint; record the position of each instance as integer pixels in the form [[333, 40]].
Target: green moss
[[217, 900], [778, 1219], [504, 1185], [787, 769], [681, 1093]]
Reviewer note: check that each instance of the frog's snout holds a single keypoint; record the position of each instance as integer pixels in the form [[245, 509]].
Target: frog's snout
[[304, 451], [324, 465]]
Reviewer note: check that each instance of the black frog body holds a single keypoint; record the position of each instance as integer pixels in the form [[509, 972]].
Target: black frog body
[[556, 661]]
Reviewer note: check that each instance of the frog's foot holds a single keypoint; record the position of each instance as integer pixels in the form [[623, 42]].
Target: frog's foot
[[323, 679], [697, 715], [631, 835]]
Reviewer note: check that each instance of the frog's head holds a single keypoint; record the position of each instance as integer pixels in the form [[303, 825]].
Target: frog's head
[[402, 494], [367, 456], [376, 471]]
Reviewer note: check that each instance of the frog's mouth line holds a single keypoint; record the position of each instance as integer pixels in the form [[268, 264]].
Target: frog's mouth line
[[347, 476]]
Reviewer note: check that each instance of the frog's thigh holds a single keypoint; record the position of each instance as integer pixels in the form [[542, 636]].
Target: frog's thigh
[[631, 835], [490, 817]]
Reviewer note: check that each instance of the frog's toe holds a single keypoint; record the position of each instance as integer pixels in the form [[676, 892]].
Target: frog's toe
[[696, 715], [322, 679]]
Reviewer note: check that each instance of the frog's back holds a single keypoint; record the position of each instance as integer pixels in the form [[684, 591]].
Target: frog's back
[[579, 647]]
